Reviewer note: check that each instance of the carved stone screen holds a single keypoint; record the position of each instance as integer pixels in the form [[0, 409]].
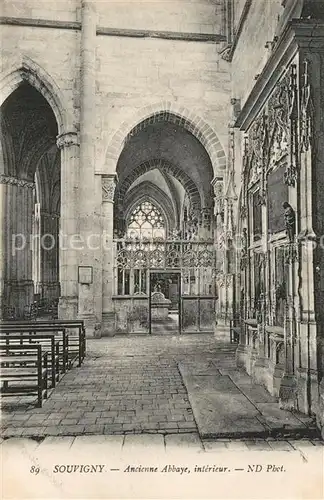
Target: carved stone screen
[[277, 194]]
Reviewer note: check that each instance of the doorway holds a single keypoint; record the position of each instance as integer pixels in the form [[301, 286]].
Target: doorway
[[165, 302]]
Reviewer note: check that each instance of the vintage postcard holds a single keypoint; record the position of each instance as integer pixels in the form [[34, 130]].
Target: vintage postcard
[[161, 252]]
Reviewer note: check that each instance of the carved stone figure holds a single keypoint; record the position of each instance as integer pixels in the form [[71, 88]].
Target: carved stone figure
[[244, 243], [290, 220]]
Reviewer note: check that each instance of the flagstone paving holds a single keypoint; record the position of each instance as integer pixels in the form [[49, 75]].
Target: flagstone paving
[[226, 403], [125, 385], [159, 443], [165, 385]]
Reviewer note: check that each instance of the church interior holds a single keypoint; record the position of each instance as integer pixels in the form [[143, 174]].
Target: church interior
[[162, 170]]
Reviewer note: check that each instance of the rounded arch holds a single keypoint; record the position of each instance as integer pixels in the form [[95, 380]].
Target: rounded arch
[[21, 69], [173, 113], [165, 166], [149, 191]]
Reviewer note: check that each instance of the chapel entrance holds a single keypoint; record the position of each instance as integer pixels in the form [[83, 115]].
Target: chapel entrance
[[179, 275], [164, 229], [165, 302]]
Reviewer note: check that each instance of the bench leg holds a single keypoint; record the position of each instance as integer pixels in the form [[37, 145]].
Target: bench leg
[[40, 394], [80, 347], [53, 369]]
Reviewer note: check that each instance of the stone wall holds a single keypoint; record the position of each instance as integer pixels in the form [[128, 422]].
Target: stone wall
[[239, 6], [198, 16], [131, 73], [135, 73], [251, 54], [67, 10], [52, 50]]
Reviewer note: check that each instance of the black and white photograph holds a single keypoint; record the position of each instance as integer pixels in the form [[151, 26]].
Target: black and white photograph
[[162, 249]]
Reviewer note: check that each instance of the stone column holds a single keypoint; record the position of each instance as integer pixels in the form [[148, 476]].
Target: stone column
[[36, 248], [108, 315], [310, 364], [89, 254], [49, 249], [16, 264], [68, 143], [261, 361], [218, 185], [3, 243], [288, 384]]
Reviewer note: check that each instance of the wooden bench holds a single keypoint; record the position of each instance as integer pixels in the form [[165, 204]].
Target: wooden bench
[[77, 339], [48, 343], [59, 334], [24, 371]]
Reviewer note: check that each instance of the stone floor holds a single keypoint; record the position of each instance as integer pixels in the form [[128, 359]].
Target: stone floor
[[154, 384], [190, 442], [150, 402]]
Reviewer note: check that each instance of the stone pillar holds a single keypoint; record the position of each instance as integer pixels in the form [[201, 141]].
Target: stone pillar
[[49, 249], [16, 269], [89, 256], [3, 244], [261, 362], [69, 227], [218, 185], [288, 385], [310, 365], [36, 249], [108, 315]]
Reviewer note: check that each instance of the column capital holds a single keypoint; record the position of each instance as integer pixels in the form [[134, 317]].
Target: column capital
[[67, 139], [50, 215], [108, 184], [6, 179]]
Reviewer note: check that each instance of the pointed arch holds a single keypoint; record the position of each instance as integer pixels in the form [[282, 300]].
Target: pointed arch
[[173, 113], [148, 190], [22, 68]]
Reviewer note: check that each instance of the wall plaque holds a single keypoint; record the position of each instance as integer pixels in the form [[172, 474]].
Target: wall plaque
[[85, 275]]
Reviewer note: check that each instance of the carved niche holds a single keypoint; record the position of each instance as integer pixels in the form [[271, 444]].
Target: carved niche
[[218, 185], [273, 135], [272, 140], [277, 192]]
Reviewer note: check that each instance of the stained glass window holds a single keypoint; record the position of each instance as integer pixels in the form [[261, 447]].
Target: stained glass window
[[146, 221]]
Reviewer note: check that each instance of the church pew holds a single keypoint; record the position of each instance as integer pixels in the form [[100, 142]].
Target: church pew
[[48, 343], [59, 334], [77, 340], [24, 371]]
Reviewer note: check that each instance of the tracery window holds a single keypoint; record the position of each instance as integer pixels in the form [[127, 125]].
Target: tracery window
[[146, 222]]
